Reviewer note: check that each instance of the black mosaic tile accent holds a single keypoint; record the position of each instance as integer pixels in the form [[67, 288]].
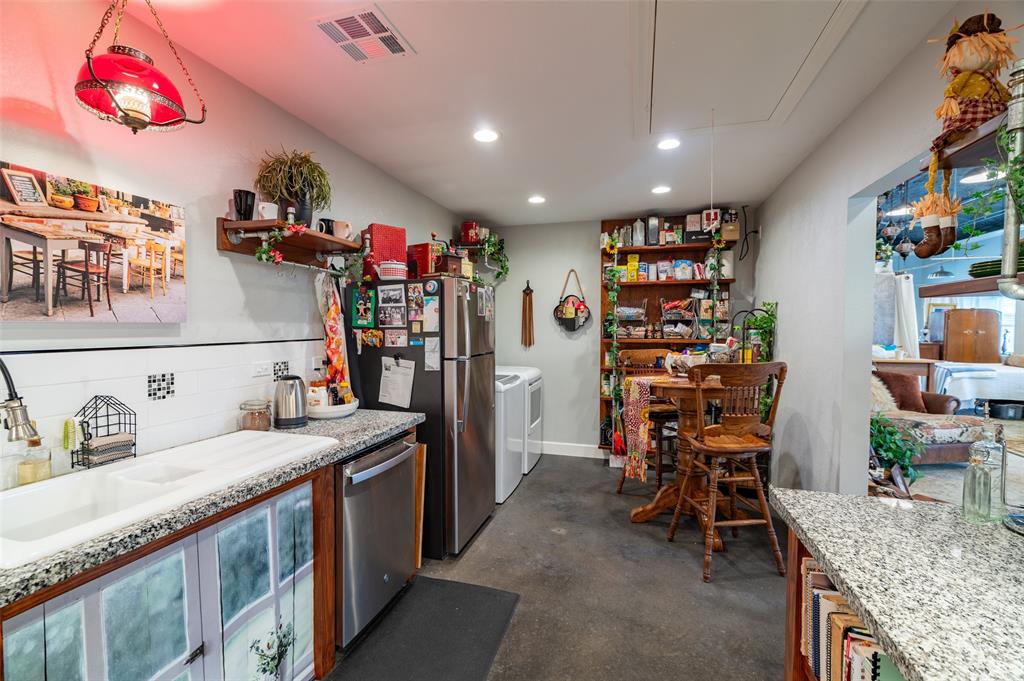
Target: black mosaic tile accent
[[281, 369], [160, 386]]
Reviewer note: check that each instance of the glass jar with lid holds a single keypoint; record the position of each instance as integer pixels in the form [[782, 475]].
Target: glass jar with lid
[[254, 415]]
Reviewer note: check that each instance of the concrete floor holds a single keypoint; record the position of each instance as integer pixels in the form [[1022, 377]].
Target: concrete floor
[[602, 598]]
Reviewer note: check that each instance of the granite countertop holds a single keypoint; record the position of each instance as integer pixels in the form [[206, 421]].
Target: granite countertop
[[355, 434], [944, 598]]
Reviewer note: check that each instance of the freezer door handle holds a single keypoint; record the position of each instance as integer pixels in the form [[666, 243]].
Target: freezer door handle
[[466, 349], [463, 414]]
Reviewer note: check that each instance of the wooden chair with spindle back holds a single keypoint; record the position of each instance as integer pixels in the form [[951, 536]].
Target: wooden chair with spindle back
[[94, 269], [660, 413], [29, 261], [727, 453], [149, 262]]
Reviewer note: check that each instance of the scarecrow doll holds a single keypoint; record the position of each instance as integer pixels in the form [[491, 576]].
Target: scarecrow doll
[[976, 52]]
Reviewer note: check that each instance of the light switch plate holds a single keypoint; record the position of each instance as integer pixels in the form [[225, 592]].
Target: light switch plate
[[262, 369]]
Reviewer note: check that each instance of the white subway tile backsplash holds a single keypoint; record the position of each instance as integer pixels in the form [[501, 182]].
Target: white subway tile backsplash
[[209, 384]]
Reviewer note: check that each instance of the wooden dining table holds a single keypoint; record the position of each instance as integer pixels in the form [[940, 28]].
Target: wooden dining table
[[684, 394], [49, 238]]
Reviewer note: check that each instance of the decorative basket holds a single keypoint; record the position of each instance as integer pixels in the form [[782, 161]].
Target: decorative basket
[[572, 312]]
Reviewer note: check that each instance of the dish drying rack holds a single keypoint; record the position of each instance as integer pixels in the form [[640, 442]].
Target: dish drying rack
[[108, 432]]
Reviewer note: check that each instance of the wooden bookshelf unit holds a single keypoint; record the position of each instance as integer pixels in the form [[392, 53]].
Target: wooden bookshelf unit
[[634, 293]]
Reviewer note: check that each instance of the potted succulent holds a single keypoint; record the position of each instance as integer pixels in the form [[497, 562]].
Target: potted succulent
[[68, 193], [292, 179]]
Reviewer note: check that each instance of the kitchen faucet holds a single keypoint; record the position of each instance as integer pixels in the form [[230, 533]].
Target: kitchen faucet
[[16, 421]]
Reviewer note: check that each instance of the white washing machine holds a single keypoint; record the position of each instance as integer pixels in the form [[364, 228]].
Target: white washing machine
[[534, 407], [509, 428]]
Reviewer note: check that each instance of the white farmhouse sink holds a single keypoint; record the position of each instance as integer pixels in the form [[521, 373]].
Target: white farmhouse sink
[[43, 518]]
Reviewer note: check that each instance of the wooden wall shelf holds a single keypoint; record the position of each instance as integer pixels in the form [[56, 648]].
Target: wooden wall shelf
[[308, 248], [674, 248], [658, 341], [965, 287], [972, 149], [673, 282]]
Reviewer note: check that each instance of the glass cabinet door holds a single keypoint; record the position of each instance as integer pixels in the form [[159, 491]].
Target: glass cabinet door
[[257, 575], [137, 623]]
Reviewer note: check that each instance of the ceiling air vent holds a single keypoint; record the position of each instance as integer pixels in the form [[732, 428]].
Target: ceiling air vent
[[365, 34]]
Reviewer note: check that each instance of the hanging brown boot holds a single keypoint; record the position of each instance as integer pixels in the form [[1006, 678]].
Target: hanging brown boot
[[947, 225], [932, 241]]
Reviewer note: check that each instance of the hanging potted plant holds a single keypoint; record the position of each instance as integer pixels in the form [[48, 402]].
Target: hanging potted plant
[[292, 179]]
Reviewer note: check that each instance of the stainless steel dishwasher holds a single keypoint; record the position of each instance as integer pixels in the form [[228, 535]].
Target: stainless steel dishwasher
[[376, 533]]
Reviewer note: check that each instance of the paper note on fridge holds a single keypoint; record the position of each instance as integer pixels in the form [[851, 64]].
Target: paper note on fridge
[[396, 381], [432, 354]]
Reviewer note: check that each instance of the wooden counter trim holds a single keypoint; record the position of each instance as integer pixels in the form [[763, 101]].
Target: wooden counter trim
[[324, 582], [795, 664]]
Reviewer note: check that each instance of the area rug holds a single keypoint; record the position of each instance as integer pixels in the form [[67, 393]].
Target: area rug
[[438, 629]]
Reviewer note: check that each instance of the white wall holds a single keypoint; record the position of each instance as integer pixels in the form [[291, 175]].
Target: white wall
[[231, 297], [816, 260], [543, 255]]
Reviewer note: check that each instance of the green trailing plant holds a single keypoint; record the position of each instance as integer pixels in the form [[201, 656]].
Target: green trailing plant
[[493, 250], [764, 324], [883, 250], [979, 205], [1013, 168], [294, 176], [895, 445]]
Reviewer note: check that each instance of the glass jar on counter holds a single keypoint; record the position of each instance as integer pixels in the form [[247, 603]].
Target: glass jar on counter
[[35, 463], [254, 415]]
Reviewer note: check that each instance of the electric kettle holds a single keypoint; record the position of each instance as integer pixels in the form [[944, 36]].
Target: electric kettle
[[290, 403]]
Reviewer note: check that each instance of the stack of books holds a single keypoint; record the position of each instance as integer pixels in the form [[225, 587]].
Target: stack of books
[[837, 644]]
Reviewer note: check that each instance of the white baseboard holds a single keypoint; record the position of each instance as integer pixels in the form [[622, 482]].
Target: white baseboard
[[573, 449]]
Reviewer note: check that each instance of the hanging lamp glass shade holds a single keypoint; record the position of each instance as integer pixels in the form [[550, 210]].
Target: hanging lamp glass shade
[[130, 89], [125, 86]]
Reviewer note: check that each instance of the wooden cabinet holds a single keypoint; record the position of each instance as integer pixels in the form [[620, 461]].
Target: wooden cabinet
[[971, 336], [930, 350], [186, 612]]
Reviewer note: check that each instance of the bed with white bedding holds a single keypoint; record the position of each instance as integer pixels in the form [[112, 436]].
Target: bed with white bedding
[[979, 381]]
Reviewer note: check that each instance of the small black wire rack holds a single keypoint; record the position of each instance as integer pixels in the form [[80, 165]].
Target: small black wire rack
[[108, 428]]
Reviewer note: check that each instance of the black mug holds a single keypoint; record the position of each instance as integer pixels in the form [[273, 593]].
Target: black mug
[[245, 204], [325, 225]]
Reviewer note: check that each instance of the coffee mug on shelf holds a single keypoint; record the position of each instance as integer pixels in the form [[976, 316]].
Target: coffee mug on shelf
[[245, 204], [325, 225], [267, 211]]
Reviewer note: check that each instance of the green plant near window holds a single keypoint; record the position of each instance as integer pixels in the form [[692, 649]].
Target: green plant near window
[[764, 323], [1013, 168], [895, 445], [979, 205], [294, 176]]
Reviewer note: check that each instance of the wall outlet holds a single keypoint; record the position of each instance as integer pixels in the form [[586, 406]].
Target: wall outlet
[[262, 369], [316, 363]]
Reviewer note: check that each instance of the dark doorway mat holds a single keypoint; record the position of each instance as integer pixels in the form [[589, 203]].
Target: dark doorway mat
[[438, 629]]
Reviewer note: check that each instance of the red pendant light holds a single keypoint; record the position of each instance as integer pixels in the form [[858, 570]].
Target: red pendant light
[[125, 86]]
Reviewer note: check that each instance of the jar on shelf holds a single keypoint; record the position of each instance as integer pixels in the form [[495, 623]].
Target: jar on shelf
[[254, 415]]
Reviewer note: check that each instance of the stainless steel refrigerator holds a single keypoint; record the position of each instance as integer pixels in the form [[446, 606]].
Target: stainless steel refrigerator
[[457, 396]]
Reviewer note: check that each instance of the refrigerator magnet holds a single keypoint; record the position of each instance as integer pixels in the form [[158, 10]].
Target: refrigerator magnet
[[364, 304], [432, 353], [415, 327], [415, 342], [396, 338], [431, 286]]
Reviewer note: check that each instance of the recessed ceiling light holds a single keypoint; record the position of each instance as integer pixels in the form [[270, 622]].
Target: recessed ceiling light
[[661, 189], [899, 212], [536, 198], [485, 135], [982, 176], [668, 143]]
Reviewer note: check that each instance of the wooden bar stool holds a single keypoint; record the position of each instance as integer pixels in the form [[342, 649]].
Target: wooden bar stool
[[728, 453], [93, 270]]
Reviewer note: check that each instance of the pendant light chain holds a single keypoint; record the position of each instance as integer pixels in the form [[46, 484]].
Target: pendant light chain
[[174, 51], [117, 22], [712, 159], [103, 26]]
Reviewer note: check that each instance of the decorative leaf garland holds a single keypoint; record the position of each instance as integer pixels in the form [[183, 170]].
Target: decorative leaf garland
[[267, 250]]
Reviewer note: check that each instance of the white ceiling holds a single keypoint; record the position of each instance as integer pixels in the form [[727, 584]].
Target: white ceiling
[[569, 86]]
